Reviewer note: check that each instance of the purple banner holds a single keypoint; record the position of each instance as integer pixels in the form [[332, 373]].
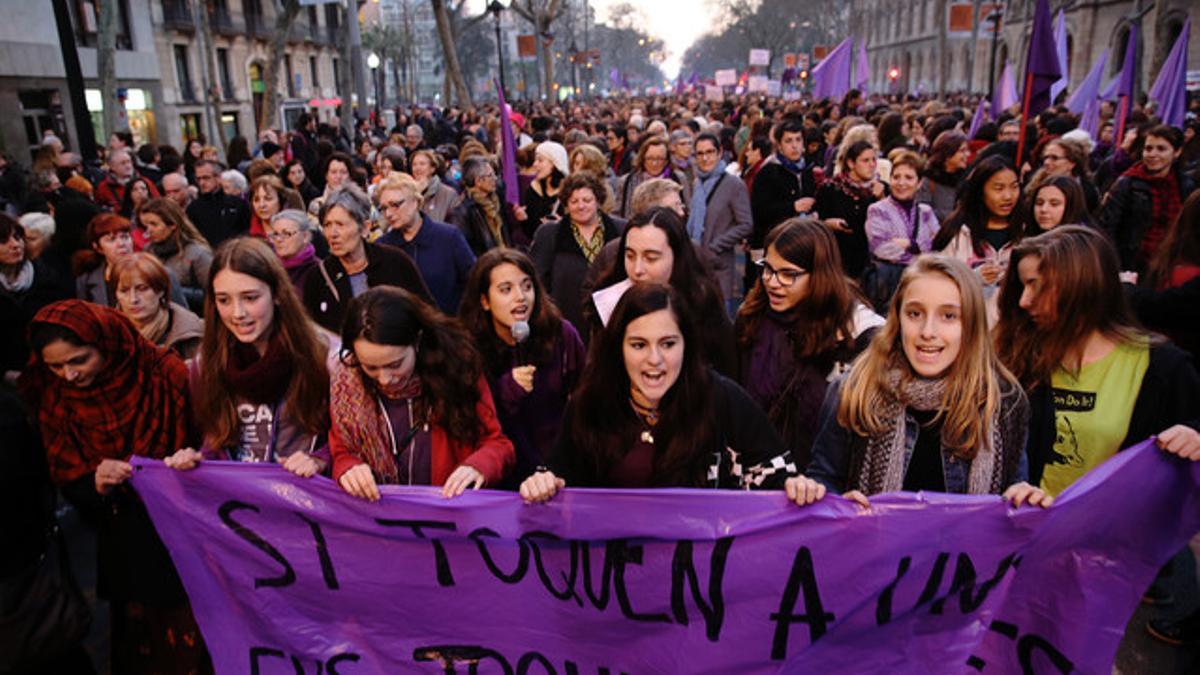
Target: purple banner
[[288, 575]]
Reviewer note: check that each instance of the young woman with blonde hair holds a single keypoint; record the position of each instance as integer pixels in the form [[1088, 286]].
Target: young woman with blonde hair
[[927, 406]]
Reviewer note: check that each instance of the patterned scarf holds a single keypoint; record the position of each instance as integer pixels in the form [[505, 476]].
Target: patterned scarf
[[882, 468], [489, 202], [138, 405], [591, 248], [1165, 204], [357, 419]]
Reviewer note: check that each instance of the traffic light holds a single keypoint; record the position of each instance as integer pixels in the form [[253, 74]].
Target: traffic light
[[894, 74]]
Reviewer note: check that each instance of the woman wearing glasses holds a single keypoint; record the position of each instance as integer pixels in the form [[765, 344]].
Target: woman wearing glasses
[[354, 264], [801, 326], [290, 233]]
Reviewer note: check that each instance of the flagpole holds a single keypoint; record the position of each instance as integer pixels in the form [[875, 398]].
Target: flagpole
[[1024, 119]]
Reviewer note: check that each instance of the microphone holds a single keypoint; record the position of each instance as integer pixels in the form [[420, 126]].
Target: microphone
[[520, 333]]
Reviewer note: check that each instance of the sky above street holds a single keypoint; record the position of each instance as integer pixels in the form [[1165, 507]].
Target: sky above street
[[678, 22]]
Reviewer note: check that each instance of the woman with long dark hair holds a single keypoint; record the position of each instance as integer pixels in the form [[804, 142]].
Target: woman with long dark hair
[[293, 176], [409, 403], [649, 413], [531, 368], [984, 224], [260, 384], [181, 247], [948, 159], [655, 248], [1065, 326], [802, 325], [843, 201], [1053, 200]]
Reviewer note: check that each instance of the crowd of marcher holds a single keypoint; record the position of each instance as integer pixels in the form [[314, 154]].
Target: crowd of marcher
[[850, 297]]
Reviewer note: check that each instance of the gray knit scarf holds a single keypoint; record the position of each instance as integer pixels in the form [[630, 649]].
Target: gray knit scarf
[[882, 468]]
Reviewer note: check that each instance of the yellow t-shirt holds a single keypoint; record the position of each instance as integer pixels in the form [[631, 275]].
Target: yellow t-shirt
[[1092, 413]]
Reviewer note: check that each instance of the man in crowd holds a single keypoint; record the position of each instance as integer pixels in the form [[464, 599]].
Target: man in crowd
[[217, 215], [111, 191]]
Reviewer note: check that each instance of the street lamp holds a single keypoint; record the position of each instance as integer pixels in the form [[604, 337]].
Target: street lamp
[[994, 17], [373, 64], [495, 7], [574, 52]]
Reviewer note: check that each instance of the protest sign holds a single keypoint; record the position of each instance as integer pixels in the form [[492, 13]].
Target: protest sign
[[292, 575], [760, 57], [727, 77]]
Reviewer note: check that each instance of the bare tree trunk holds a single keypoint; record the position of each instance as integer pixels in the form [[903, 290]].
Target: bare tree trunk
[[285, 14], [213, 89], [106, 64], [397, 65], [450, 55], [345, 76]]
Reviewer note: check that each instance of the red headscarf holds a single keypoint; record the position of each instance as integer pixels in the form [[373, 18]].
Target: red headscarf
[[137, 405]]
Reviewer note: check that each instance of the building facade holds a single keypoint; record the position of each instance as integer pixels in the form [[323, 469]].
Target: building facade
[[947, 46], [161, 70]]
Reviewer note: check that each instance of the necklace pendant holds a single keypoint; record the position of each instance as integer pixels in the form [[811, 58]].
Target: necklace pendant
[[647, 437]]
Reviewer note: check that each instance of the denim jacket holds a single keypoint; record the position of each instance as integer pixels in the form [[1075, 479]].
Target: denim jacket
[[837, 449]]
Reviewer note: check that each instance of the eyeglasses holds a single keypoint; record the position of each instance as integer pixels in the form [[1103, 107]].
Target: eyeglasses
[[706, 153], [388, 206], [282, 235], [655, 158], [785, 278], [1052, 158]]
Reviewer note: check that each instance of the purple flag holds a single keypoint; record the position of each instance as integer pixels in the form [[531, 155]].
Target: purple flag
[[508, 156], [1041, 64], [287, 574], [1060, 50], [1006, 92], [1124, 91], [831, 77], [1109, 92], [1170, 89], [862, 73], [1089, 88], [981, 112], [614, 76], [1085, 101]]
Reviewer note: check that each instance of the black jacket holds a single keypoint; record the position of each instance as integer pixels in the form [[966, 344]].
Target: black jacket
[[1174, 312], [468, 216], [745, 449], [219, 216], [773, 199], [561, 265], [327, 290], [1170, 395], [1126, 212]]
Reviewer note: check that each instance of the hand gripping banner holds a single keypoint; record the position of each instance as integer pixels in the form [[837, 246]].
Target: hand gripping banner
[[288, 575]]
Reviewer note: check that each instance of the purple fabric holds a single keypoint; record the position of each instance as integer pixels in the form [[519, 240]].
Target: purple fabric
[[862, 73], [1088, 91], [508, 161], [1124, 82], [979, 118], [1060, 52], [1042, 60], [887, 220], [1109, 93], [1170, 89], [831, 77], [282, 569], [1006, 92]]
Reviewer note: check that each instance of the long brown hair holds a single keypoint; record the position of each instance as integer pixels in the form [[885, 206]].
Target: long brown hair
[[827, 311], [307, 397], [544, 317], [975, 382], [175, 217], [1079, 266], [1181, 246], [447, 363]]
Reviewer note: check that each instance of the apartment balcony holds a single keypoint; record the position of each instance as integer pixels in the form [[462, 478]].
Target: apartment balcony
[[222, 23], [177, 15]]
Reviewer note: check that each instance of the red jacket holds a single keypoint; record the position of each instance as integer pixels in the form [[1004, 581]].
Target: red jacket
[[110, 193], [493, 457]]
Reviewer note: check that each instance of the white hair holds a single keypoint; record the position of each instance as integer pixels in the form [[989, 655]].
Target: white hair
[[236, 178], [42, 223]]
